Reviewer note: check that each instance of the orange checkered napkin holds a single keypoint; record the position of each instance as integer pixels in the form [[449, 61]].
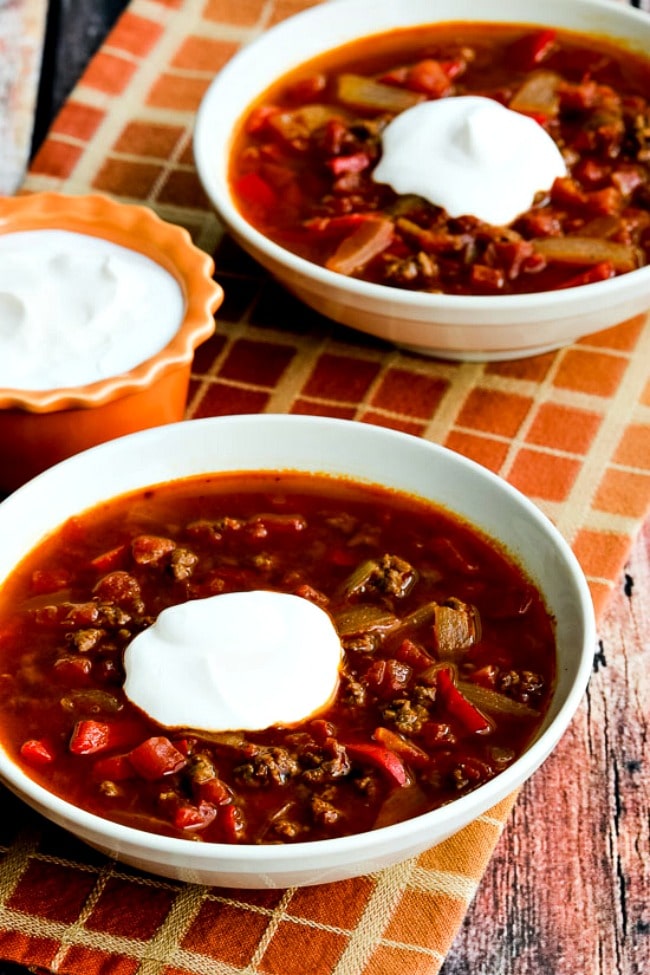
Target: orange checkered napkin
[[570, 429]]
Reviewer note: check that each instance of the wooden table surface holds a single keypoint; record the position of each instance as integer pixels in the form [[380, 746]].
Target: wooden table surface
[[572, 898]]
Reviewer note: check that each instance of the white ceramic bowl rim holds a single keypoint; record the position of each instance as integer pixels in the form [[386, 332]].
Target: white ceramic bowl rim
[[251, 858], [308, 21]]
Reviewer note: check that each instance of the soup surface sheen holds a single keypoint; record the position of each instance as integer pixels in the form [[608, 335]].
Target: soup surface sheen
[[303, 164], [446, 670]]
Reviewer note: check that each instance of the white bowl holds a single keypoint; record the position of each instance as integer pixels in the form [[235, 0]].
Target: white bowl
[[308, 444], [448, 326]]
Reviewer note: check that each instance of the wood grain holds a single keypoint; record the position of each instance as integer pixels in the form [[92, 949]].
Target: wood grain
[[567, 891]]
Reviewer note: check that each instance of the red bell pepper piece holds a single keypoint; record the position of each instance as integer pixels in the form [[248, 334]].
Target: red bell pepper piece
[[457, 704], [402, 747], [90, 736], [532, 49], [231, 822], [191, 818], [382, 758], [37, 751], [156, 757]]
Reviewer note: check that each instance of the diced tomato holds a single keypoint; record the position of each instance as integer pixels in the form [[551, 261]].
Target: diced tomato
[[428, 77], [457, 704], [214, 791], [485, 676], [436, 734], [512, 255], [607, 201], [147, 549], [156, 757], [413, 654], [396, 76], [486, 278], [114, 767], [565, 191], [597, 272], [118, 587], [256, 191], [37, 751], [75, 670], [256, 121], [308, 88], [388, 677], [382, 758], [112, 559], [49, 580]]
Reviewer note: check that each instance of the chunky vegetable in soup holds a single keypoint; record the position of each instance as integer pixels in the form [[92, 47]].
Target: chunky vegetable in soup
[[309, 167], [445, 661]]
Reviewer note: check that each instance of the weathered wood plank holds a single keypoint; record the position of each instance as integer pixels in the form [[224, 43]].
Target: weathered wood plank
[[567, 890]]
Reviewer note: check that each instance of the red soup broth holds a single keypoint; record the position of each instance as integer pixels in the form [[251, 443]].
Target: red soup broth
[[448, 667], [301, 164]]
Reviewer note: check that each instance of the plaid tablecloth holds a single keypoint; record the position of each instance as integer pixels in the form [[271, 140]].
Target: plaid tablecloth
[[570, 429]]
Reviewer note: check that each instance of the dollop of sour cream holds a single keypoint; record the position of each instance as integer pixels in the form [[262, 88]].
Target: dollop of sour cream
[[75, 309], [469, 155], [235, 661]]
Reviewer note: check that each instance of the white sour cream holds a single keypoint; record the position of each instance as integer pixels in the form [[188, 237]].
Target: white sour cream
[[75, 309], [236, 661], [471, 156]]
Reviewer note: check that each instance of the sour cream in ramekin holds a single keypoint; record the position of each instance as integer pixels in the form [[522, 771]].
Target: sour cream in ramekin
[[75, 309]]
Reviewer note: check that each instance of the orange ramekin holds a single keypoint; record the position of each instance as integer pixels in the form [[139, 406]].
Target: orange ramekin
[[38, 428]]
